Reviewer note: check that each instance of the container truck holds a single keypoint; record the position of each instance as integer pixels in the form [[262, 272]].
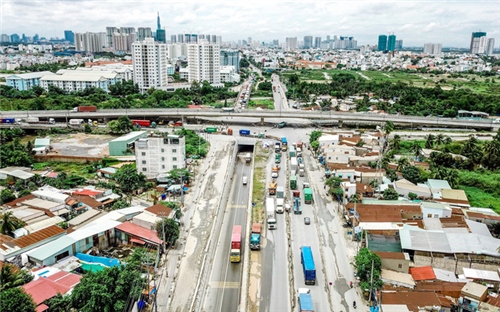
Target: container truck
[[275, 172], [244, 132], [270, 213], [210, 129], [280, 203], [76, 122], [85, 109], [306, 257], [36, 120], [280, 192], [305, 300], [293, 182], [235, 255], [297, 208], [143, 123], [255, 237], [293, 165], [308, 195], [8, 120], [277, 147], [284, 141], [302, 172], [291, 151], [300, 144], [248, 157]]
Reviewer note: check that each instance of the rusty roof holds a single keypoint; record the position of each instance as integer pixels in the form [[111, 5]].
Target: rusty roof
[[452, 289], [383, 213], [413, 299], [14, 203], [159, 210], [423, 273], [472, 214], [38, 236], [390, 255], [89, 201]]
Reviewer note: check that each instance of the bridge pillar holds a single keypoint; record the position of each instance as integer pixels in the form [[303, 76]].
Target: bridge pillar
[[183, 119], [261, 121], [341, 123]]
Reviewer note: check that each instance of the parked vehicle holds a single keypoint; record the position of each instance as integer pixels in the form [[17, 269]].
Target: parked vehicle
[[255, 237], [297, 208], [293, 182], [270, 213], [85, 109], [235, 255], [308, 195], [305, 300], [244, 132], [308, 266]]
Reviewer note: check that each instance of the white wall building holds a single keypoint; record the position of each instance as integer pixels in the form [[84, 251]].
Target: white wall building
[[159, 154], [229, 74], [90, 42], [149, 60], [176, 51], [78, 80], [204, 62], [433, 48]]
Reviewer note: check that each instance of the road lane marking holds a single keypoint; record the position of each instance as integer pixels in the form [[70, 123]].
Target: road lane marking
[[222, 284], [237, 206]]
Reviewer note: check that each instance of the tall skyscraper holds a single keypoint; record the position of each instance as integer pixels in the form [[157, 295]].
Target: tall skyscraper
[[149, 60], [308, 42], [291, 43], [180, 38], [432, 48], [317, 42], [143, 33], [382, 43], [109, 36], [15, 38], [69, 36], [122, 42], [36, 38], [173, 39], [4, 38], [230, 58], [478, 42], [391, 43], [90, 42], [490, 45], [399, 44], [160, 33], [204, 62]]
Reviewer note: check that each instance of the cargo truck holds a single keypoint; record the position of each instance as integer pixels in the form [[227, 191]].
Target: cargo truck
[[293, 182], [297, 208], [270, 214], [248, 157], [277, 158], [299, 144], [272, 188], [210, 129], [277, 147], [280, 192], [293, 165], [36, 120], [235, 255], [85, 109], [76, 122], [305, 300], [244, 132], [291, 151], [275, 172], [307, 260], [302, 172], [143, 123], [255, 237], [280, 203], [308, 195], [7, 120]]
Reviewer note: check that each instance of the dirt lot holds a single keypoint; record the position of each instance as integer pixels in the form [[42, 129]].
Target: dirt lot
[[81, 144]]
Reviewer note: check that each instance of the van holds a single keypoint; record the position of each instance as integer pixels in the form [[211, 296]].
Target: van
[[245, 180]]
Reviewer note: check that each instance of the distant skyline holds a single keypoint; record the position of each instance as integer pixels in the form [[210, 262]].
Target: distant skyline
[[450, 23]]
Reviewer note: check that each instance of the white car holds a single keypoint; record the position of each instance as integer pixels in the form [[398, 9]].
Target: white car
[[245, 180], [274, 175]]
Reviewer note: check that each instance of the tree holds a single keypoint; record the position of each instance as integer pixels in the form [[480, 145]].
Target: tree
[[11, 276], [388, 127], [16, 299], [129, 179], [6, 196], [417, 149], [391, 175], [412, 196], [355, 198], [403, 162], [390, 194], [429, 140], [412, 174], [171, 229], [315, 135], [396, 142], [363, 262], [439, 139], [8, 223], [59, 303]]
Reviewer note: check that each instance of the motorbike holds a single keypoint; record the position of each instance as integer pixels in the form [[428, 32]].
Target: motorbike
[[354, 304]]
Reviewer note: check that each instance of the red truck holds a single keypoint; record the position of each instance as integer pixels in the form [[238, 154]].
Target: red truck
[[85, 109], [235, 255]]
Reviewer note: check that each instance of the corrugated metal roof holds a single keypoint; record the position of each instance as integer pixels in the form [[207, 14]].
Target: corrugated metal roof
[[130, 136], [38, 236], [422, 273]]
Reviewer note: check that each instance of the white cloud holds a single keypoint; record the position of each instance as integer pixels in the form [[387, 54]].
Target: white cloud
[[185, 18]]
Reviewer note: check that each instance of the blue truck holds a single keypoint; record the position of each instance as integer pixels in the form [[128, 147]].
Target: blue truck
[[255, 237], [305, 300], [8, 120], [306, 257], [297, 208], [244, 132]]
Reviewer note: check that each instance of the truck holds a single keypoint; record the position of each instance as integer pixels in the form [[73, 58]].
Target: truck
[[235, 255], [143, 123], [277, 147], [282, 125], [293, 182], [297, 208], [277, 158], [272, 188], [291, 152], [302, 172], [227, 131], [270, 214], [280, 205], [275, 172], [293, 165], [244, 132], [308, 195], [5, 120], [76, 122], [306, 257], [248, 157], [300, 144], [284, 144], [299, 152], [85, 109], [280, 192], [255, 237], [36, 120], [305, 300]]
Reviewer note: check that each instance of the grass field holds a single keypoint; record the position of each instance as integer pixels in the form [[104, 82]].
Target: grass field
[[262, 103], [259, 184], [479, 198], [70, 168]]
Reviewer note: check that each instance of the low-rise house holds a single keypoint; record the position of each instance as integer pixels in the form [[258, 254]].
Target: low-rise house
[[151, 216], [472, 295], [490, 278], [435, 210], [397, 279], [129, 233], [456, 198], [405, 187], [425, 273], [414, 300], [107, 172], [395, 261], [436, 186]]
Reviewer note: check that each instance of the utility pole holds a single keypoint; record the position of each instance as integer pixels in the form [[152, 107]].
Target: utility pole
[[371, 284]]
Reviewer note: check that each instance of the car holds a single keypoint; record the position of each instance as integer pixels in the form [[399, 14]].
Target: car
[[274, 175], [245, 180], [307, 220], [496, 120]]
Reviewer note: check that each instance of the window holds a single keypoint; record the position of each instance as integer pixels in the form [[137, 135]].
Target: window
[[162, 166], [174, 167], [174, 158], [429, 215], [400, 266], [165, 140], [163, 150], [143, 162], [163, 159], [174, 150], [144, 169], [143, 153]]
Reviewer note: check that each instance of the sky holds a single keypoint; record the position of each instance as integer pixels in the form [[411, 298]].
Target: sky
[[416, 22]]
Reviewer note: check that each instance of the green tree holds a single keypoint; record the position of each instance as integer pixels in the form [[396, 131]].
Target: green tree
[[315, 135], [363, 262], [6, 196], [9, 223], [16, 299], [355, 198], [388, 127], [11, 276], [390, 194], [440, 139], [396, 142], [120, 204], [417, 149], [391, 175], [412, 174], [59, 303], [171, 229], [129, 179], [412, 196], [430, 140], [403, 162]]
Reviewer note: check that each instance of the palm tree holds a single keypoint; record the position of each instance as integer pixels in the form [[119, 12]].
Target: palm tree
[[417, 149], [396, 142], [355, 198], [429, 140], [402, 163], [439, 139], [7, 223], [10, 277], [448, 140]]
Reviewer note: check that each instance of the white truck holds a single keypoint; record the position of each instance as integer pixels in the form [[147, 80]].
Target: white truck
[[280, 205], [270, 214], [76, 122], [248, 157], [293, 165], [36, 120]]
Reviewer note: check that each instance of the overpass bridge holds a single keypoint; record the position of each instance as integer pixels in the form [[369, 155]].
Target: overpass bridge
[[319, 117]]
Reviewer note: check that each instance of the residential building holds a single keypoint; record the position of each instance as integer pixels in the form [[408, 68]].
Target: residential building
[[149, 60], [204, 62], [24, 82], [432, 48], [4, 38], [478, 42], [308, 42], [399, 44], [391, 43], [490, 45], [73, 80], [176, 51], [69, 36], [143, 33], [291, 43], [122, 41], [382, 43], [230, 58], [109, 36], [158, 154], [151, 216], [229, 74], [119, 146], [395, 261], [317, 42], [90, 42], [173, 39]]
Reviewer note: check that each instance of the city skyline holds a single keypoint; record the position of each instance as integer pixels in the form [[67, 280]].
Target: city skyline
[[447, 22]]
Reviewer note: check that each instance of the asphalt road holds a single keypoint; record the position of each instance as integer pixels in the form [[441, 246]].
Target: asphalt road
[[225, 280]]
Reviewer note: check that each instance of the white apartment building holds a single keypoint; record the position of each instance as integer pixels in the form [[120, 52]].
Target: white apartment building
[[149, 59], [158, 154], [229, 74], [204, 62], [490, 45], [90, 42], [291, 43], [78, 80], [176, 51], [433, 48]]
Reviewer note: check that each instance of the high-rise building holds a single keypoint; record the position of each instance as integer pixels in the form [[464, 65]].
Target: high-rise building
[[208, 38], [194, 38], [399, 44], [478, 42], [391, 43], [180, 38], [122, 42], [291, 43], [308, 42], [176, 50], [69, 36], [91, 42], [15, 38], [433, 48], [214, 39], [490, 45], [4, 38], [382, 43], [143, 33], [204, 62], [149, 60], [276, 43], [173, 39], [249, 40], [160, 33], [230, 58], [187, 38], [317, 42], [109, 36], [36, 38]]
